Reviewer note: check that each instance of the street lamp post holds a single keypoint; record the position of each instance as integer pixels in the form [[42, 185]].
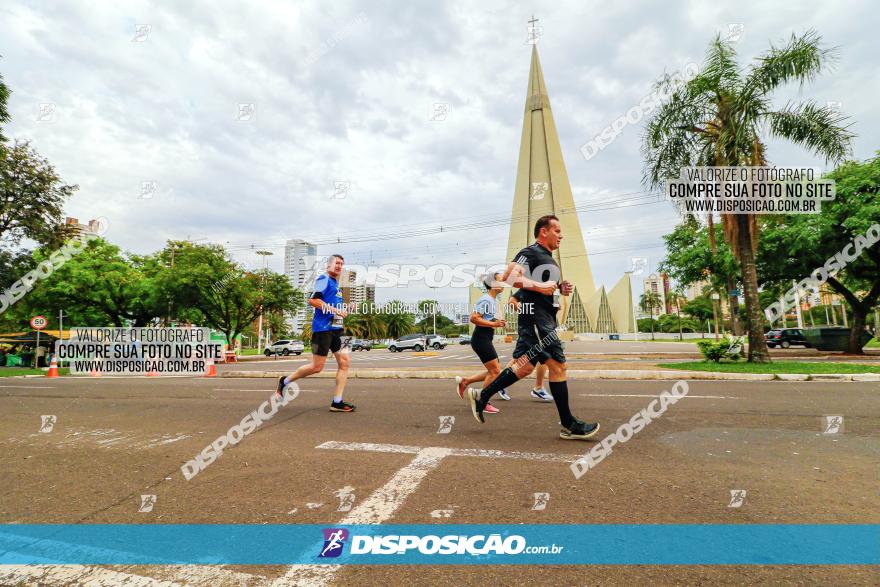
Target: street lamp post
[[265, 256], [434, 310]]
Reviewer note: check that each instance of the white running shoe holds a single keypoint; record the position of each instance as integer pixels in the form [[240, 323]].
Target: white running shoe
[[503, 395], [539, 393]]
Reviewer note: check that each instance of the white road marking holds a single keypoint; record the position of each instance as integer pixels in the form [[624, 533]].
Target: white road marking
[[26, 387], [656, 396], [382, 503], [75, 575], [458, 452]]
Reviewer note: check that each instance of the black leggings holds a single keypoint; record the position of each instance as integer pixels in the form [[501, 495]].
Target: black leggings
[[481, 342]]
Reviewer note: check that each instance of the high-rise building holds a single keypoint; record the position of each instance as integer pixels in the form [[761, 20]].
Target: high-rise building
[[94, 227], [659, 284], [301, 266], [541, 188], [694, 290], [362, 294]]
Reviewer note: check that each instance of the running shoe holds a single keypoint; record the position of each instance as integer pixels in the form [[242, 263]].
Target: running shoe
[[579, 430], [459, 387], [341, 407], [503, 395], [477, 405], [539, 393], [279, 388], [490, 409]]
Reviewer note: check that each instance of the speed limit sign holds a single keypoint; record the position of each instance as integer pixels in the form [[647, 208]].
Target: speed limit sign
[[39, 322]]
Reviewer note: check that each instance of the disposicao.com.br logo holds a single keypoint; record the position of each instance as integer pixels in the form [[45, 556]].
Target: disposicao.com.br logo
[[394, 544]]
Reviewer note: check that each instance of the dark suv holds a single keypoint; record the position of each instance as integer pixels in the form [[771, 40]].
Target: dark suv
[[360, 345], [785, 337]]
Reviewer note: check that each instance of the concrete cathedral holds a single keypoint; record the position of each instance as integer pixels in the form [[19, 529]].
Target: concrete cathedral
[[542, 187]]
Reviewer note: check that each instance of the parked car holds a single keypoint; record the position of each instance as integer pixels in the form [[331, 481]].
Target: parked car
[[414, 342], [785, 337], [284, 347], [436, 341], [358, 344], [464, 339]]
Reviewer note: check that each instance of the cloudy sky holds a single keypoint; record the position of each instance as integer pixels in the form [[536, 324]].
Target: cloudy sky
[[119, 94]]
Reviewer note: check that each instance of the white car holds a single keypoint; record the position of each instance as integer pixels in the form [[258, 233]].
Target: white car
[[436, 341], [284, 347]]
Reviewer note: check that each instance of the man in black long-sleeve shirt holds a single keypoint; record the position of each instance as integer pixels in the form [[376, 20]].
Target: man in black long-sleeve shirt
[[537, 273]]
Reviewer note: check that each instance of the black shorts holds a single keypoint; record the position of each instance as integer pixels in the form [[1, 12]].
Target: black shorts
[[481, 342], [538, 340], [329, 341]]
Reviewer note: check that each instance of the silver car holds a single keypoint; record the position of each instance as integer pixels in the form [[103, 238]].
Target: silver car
[[415, 342]]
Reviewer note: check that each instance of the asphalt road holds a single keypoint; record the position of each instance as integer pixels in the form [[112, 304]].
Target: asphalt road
[[581, 355], [116, 439]]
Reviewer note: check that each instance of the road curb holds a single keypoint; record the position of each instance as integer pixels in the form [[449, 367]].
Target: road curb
[[866, 377], [793, 376], [596, 374]]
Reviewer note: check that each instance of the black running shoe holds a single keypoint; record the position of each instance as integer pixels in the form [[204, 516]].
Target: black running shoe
[[477, 405], [279, 388], [341, 407], [579, 430]]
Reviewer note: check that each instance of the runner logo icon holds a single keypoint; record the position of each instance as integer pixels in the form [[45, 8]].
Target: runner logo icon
[[334, 540]]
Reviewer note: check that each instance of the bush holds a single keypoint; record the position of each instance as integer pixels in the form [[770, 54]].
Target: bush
[[726, 348]]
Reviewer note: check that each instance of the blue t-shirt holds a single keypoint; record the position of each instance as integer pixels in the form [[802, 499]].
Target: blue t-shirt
[[486, 306], [326, 289]]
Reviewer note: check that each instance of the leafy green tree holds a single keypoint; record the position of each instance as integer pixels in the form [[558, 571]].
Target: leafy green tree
[[794, 246], [100, 286], [645, 324], [700, 308], [427, 323], [724, 116], [32, 198], [4, 113], [209, 288]]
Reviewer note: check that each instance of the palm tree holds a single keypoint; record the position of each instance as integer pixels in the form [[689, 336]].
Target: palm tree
[[676, 298], [368, 325], [648, 301], [306, 334], [724, 116], [398, 323]]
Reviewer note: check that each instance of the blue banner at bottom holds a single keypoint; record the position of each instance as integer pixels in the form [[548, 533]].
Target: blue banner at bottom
[[428, 544]]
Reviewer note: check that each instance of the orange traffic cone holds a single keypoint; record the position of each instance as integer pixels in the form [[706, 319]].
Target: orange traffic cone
[[94, 373], [153, 373], [212, 369], [53, 368]]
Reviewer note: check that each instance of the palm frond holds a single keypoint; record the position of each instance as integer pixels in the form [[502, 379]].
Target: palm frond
[[818, 128], [720, 69], [802, 59]]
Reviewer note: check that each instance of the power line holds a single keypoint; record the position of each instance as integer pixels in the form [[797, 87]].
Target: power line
[[448, 228]]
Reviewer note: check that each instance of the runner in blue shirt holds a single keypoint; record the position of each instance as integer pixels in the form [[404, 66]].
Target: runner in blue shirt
[[326, 334]]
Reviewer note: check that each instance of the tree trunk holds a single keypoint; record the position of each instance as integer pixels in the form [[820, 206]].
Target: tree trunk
[[859, 313], [758, 352]]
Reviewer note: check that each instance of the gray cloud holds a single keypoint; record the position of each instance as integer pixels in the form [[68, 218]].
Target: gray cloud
[[344, 91]]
